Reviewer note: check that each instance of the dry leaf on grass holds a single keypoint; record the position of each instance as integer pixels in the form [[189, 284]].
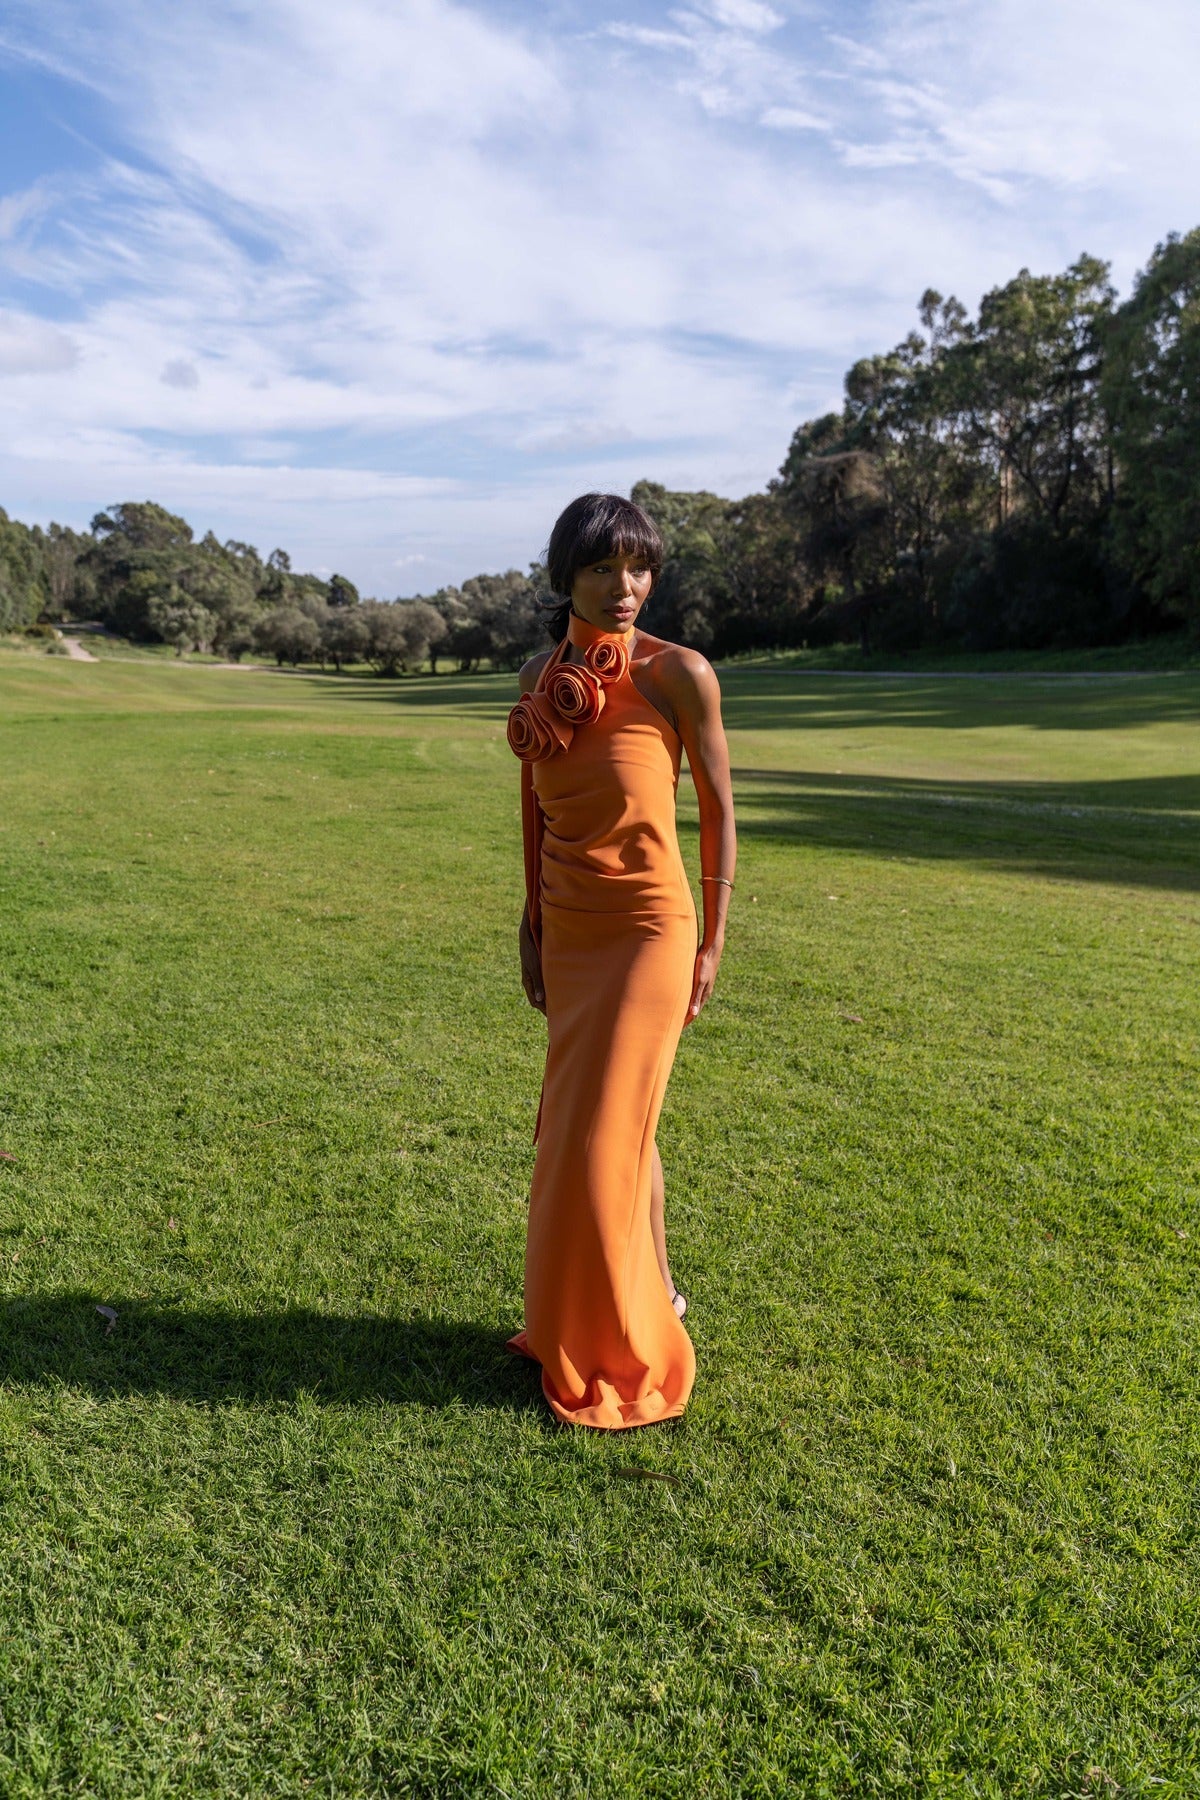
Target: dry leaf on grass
[[7, 1156], [108, 1314]]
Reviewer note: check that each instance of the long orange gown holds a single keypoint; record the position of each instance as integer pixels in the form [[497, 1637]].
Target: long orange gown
[[610, 898]]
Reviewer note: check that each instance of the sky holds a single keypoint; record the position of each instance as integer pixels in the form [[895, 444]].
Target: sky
[[387, 282]]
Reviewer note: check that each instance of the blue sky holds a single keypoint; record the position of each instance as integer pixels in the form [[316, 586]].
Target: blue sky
[[388, 282]]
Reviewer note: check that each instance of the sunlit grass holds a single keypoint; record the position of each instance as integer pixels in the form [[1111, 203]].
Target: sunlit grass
[[297, 1523]]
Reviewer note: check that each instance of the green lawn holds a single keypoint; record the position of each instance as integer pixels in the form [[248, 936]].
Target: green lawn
[[296, 1524]]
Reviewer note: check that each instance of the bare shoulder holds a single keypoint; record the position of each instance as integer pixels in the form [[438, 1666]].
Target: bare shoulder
[[530, 671], [687, 676]]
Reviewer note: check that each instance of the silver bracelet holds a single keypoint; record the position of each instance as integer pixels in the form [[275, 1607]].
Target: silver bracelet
[[723, 879]]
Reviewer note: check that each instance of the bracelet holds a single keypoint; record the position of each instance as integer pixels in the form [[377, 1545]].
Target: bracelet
[[724, 879]]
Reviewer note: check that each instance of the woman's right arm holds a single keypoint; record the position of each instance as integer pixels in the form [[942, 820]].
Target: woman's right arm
[[531, 964], [531, 961]]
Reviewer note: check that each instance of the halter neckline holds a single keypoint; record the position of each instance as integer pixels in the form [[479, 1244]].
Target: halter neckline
[[582, 635]]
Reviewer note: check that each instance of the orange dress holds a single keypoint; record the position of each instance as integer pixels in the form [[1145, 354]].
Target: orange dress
[[610, 901]]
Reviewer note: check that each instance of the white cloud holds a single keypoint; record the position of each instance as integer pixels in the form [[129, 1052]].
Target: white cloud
[[719, 60], [30, 346], [1084, 97], [415, 240], [792, 118], [744, 15], [20, 209]]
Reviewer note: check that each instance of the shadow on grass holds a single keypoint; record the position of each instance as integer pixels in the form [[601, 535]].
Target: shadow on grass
[[474, 696], [217, 1356], [1138, 830], [781, 699]]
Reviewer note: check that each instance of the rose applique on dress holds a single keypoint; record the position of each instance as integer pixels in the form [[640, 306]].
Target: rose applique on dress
[[568, 694], [576, 693], [537, 729], [608, 659]]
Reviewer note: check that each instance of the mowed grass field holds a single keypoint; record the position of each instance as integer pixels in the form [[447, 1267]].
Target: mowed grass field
[[294, 1523]]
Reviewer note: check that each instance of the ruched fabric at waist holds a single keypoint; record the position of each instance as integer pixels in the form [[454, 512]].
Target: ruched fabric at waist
[[575, 883]]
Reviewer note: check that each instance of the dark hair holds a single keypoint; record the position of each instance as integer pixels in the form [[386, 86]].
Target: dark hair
[[591, 528]]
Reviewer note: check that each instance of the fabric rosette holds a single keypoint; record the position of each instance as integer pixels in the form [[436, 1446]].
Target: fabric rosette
[[608, 659], [576, 693], [537, 728]]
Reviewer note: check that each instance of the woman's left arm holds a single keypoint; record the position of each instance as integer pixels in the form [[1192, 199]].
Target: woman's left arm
[[696, 698]]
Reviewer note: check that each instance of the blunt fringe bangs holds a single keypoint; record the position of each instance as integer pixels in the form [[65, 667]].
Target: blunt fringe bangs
[[589, 529]]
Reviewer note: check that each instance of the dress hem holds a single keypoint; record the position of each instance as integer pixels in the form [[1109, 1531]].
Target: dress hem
[[598, 1418]]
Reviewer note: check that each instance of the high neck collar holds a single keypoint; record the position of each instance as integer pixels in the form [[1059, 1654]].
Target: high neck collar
[[581, 634]]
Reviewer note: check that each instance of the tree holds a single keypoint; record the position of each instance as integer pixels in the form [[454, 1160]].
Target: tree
[[180, 620], [400, 633], [767, 586], [70, 589], [816, 437], [1024, 384], [841, 501], [235, 630], [345, 635], [342, 592], [138, 551], [223, 578], [288, 635], [1151, 394], [501, 621], [691, 592], [447, 603], [22, 589], [901, 409]]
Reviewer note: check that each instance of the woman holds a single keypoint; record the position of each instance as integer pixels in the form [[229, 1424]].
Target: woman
[[608, 953]]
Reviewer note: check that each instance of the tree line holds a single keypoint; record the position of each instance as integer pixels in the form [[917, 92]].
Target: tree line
[[141, 572], [1024, 478]]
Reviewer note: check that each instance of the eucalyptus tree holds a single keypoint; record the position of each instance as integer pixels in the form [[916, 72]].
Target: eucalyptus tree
[[22, 587], [1151, 392], [901, 410], [692, 591], [138, 551], [1023, 382]]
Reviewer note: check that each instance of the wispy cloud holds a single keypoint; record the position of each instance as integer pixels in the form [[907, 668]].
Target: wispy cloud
[[725, 55], [1014, 96], [409, 277]]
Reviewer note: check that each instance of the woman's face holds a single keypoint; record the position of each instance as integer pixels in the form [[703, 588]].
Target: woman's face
[[611, 593]]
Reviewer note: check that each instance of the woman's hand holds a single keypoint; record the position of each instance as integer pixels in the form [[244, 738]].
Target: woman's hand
[[531, 966], [708, 961]]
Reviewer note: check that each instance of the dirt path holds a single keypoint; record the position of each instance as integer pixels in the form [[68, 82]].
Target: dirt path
[[76, 651]]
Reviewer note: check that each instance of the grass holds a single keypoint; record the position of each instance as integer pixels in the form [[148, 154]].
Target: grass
[[296, 1524], [1171, 651]]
